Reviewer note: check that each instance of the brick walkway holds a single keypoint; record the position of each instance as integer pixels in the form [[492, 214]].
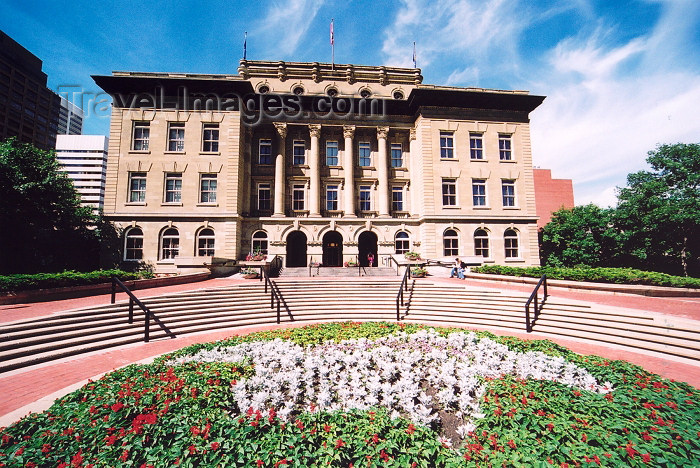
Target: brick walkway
[[21, 393]]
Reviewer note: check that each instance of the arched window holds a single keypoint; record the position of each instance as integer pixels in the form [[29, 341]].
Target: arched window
[[510, 238], [401, 242], [170, 244], [260, 242], [450, 242], [481, 243], [205, 242], [133, 244]]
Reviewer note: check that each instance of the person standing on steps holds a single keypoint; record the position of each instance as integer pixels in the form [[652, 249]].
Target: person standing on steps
[[370, 259]]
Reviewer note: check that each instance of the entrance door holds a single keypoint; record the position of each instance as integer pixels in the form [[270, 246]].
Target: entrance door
[[296, 249], [367, 244], [332, 249]]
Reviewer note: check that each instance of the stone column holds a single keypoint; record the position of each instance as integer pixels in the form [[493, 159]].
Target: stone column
[[315, 172], [280, 181], [382, 173], [411, 164], [349, 168]]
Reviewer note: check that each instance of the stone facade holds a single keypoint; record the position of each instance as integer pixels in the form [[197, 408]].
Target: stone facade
[[318, 163]]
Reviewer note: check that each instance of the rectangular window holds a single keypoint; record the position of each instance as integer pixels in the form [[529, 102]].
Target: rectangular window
[[396, 155], [476, 145], [331, 153], [365, 193], [479, 192], [508, 190], [176, 136], [365, 154], [265, 151], [142, 132], [449, 192], [207, 188], [299, 148], [298, 197], [264, 196], [397, 198], [504, 149], [137, 187], [210, 138], [173, 187], [447, 145], [332, 197]]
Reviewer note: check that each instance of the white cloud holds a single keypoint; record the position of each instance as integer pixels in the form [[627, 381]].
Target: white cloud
[[286, 24]]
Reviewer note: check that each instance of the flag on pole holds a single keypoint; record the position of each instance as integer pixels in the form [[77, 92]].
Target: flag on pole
[[245, 45], [414, 55], [332, 36], [332, 47]]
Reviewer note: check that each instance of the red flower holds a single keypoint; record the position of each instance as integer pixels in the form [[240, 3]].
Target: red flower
[[19, 451], [383, 455], [215, 445], [124, 455], [259, 463], [192, 449], [511, 444], [77, 459], [117, 406], [339, 443], [646, 458], [150, 418], [411, 429], [327, 428], [46, 448], [584, 438], [111, 439]]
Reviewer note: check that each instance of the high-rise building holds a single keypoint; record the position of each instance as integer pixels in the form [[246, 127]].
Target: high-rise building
[[28, 109], [317, 162], [70, 118], [551, 195], [84, 159]]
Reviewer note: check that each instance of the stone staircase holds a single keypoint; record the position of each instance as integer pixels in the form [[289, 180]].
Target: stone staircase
[[34, 341], [336, 272]]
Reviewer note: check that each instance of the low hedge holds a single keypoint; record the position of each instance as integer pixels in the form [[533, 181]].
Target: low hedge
[[596, 275], [14, 283]]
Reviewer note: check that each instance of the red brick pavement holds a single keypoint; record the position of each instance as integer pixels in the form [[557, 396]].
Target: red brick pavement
[[19, 388]]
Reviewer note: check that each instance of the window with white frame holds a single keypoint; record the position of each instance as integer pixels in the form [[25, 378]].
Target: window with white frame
[[176, 136], [449, 192], [173, 187], [508, 190], [401, 242], [332, 197], [450, 243], [476, 145], [265, 151], [210, 138], [479, 192], [133, 244], [447, 145], [397, 198], [396, 155], [137, 187], [299, 152], [298, 191], [364, 154], [365, 194], [510, 238], [260, 242], [481, 243], [205, 242], [142, 131], [504, 147], [264, 196], [207, 188], [170, 244], [331, 153]]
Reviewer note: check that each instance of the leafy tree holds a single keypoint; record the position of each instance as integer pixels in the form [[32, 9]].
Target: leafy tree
[[659, 210], [43, 227], [584, 235]]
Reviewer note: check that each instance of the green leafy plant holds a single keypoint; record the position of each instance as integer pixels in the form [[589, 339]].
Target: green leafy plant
[[14, 283], [418, 272]]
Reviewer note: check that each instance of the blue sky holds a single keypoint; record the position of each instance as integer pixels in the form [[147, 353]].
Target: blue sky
[[620, 76]]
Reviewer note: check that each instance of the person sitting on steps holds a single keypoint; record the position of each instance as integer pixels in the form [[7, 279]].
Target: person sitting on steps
[[457, 270]]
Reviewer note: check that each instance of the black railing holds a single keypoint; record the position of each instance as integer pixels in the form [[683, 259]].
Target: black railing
[[400, 295], [134, 300], [276, 299], [538, 305]]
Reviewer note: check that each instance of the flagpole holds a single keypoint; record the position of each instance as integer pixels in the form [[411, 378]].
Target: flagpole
[[245, 45], [332, 47], [415, 65]]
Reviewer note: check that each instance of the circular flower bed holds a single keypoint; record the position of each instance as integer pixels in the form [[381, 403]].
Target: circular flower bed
[[373, 394]]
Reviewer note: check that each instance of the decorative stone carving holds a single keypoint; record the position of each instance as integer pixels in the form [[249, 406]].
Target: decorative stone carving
[[281, 128], [315, 130], [348, 131], [412, 134], [382, 133]]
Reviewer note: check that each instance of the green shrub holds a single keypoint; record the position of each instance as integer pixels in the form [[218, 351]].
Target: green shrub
[[595, 274], [14, 283]]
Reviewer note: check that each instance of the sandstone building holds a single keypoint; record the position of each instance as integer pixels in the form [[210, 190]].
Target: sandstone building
[[317, 163]]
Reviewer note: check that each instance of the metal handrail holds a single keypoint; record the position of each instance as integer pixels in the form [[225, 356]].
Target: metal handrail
[[149, 315], [399, 296], [275, 296], [538, 305]]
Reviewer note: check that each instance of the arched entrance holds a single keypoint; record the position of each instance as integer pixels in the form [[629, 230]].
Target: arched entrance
[[296, 249], [332, 249], [367, 244]]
